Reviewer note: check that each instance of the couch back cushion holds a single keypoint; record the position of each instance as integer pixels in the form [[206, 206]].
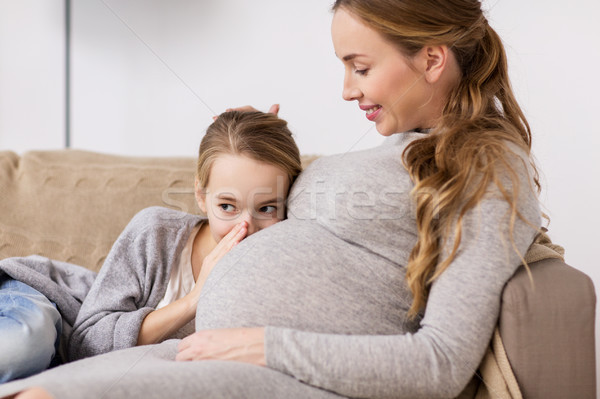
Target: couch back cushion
[[71, 205]]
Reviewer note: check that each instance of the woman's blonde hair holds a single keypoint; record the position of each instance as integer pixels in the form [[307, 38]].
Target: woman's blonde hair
[[468, 148], [260, 136]]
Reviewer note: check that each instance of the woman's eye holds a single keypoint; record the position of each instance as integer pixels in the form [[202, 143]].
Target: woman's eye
[[361, 72], [268, 209], [227, 207]]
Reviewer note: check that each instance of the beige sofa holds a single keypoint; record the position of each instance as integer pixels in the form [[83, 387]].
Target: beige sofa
[[71, 205]]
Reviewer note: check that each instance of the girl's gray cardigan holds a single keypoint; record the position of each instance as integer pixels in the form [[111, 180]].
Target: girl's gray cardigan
[[130, 284]]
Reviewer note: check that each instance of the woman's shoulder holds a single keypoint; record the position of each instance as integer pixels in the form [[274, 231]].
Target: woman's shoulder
[[517, 166], [390, 149]]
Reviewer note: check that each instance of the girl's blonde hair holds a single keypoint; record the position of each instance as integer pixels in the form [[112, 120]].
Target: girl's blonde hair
[[468, 148], [260, 136]]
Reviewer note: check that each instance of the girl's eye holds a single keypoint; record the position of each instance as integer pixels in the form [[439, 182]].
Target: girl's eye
[[268, 209], [361, 72], [227, 208]]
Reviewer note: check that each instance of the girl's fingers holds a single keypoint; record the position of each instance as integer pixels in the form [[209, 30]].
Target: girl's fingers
[[239, 236], [230, 240], [234, 236], [237, 233]]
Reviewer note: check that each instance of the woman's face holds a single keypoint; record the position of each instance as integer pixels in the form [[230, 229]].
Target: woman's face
[[242, 189], [387, 85]]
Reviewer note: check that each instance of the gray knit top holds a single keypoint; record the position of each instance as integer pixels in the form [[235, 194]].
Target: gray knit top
[[329, 282]]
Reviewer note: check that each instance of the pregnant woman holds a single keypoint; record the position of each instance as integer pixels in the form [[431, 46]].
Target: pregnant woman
[[385, 280]]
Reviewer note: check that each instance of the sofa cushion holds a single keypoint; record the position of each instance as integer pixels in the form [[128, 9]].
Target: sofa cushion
[[548, 331], [71, 205]]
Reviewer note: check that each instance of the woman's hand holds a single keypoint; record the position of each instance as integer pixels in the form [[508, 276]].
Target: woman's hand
[[239, 344], [248, 108]]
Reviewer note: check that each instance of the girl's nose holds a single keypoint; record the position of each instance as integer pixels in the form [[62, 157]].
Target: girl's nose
[[252, 225]]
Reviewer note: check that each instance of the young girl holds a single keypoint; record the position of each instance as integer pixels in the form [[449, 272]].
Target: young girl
[[148, 288]]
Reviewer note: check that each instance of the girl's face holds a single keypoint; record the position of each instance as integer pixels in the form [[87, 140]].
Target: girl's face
[[392, 91], [242, 189]]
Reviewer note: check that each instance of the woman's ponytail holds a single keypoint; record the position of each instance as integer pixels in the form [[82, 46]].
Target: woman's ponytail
[[467, 151]]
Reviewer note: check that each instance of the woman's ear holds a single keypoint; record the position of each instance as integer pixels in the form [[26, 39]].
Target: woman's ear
[[200, 194], [436, 60]]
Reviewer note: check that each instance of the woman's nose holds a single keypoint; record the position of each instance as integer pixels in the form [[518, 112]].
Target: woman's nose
[[350, 91]]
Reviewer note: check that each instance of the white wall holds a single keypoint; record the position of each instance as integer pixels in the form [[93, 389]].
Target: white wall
[[554, 57], [149, 74], [32, 69]]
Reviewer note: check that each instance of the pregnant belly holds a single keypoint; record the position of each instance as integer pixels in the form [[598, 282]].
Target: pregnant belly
[[297, 274]]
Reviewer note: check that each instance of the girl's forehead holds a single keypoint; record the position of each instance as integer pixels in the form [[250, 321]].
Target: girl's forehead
[[241, 174], [229, 163]]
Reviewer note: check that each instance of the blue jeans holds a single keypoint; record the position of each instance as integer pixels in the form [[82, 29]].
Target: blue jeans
[[30, 328]]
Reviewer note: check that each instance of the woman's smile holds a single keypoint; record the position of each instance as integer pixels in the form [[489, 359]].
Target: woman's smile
[[372, 111]]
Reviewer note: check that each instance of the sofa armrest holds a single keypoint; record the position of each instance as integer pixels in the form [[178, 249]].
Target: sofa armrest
[[548, 331]]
